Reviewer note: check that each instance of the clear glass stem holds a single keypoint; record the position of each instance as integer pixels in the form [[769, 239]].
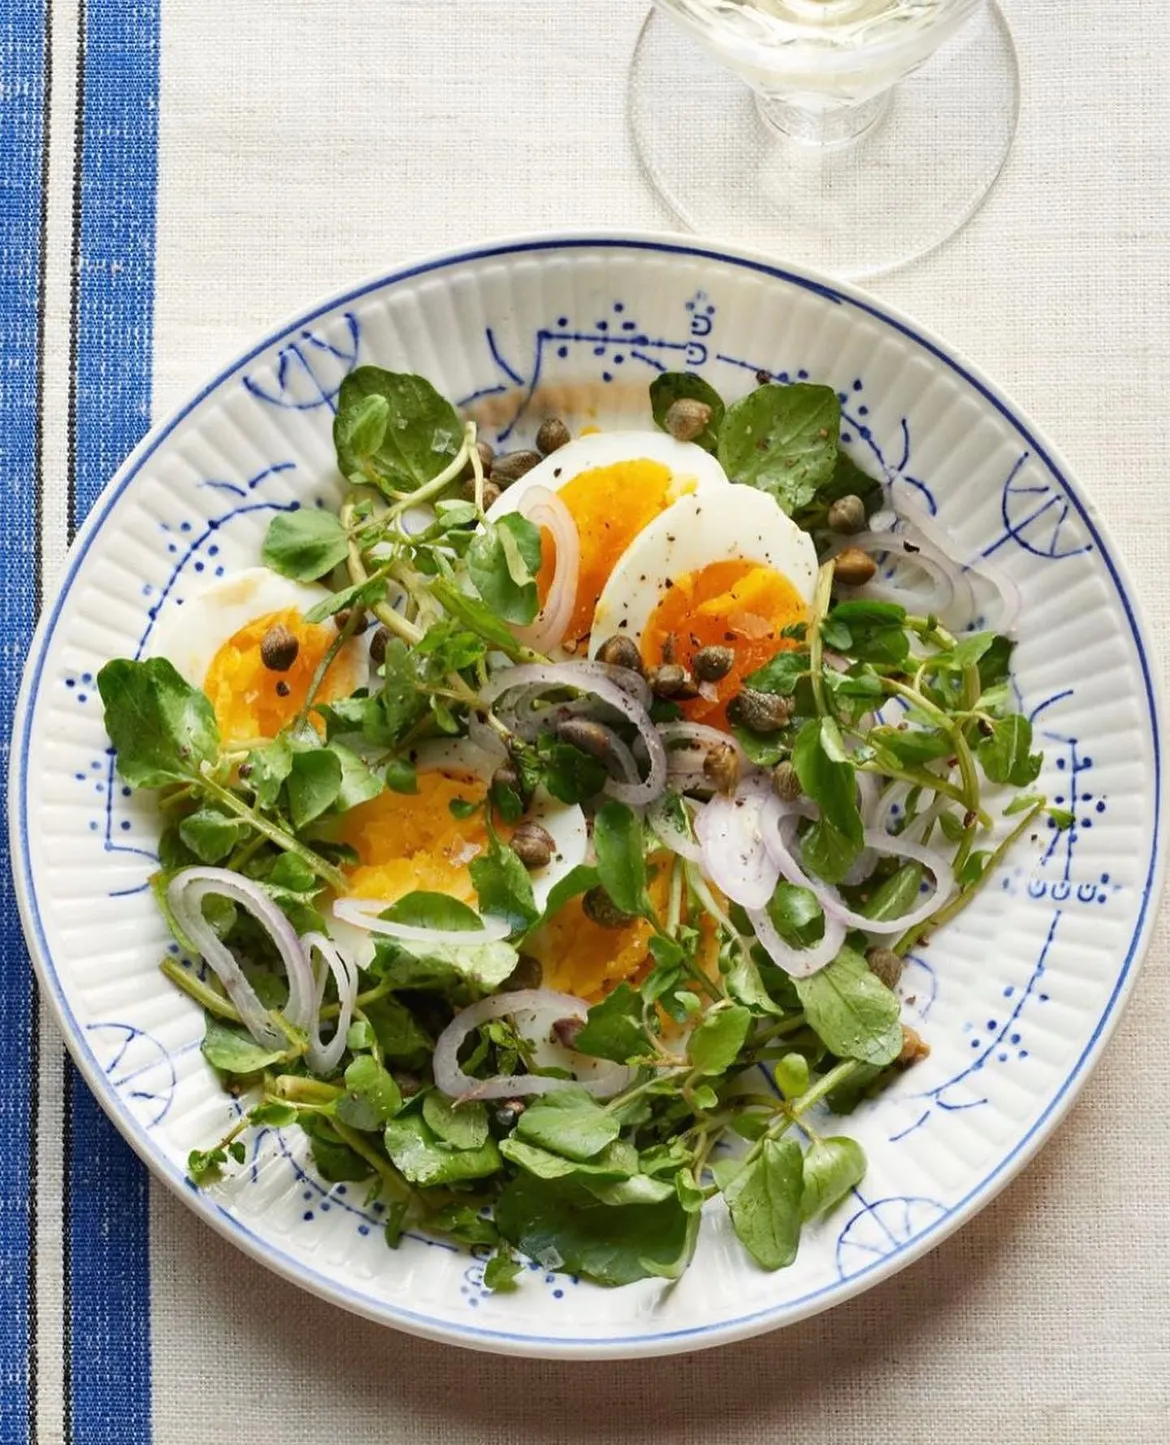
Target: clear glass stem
[[831, 126]]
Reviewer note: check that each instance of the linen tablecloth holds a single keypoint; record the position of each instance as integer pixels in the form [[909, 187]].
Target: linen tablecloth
[[176, 177]]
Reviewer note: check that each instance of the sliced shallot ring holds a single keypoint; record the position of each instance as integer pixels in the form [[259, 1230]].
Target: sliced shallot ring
[[323, 1058], [734, 854], [608, 1078], [797, 962], [185, 897], [545, 509], [777, 825], [365, 913], [670, 835]]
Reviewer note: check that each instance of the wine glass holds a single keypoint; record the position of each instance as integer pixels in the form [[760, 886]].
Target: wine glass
[[854, 135]]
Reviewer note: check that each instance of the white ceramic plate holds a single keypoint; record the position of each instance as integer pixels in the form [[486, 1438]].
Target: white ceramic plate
[[1017, 997]]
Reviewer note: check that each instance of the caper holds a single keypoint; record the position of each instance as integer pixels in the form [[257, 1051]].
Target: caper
[[721, 767], [487, 455], [378, 646], [673, 681], [279, 648], [713, 663], [491, 492], [553, 435], [619, 651], [885, 964], [914, 1047], [600, 907], [506, 776], [590, 737], [533, 845], [847, 514], [687, 418], [786, 782], [567, 1030], [341, 621], [763, 712], [407, 1082], [854, 567], [282, 688], [506, 1114], [527, 974], [512, 466]]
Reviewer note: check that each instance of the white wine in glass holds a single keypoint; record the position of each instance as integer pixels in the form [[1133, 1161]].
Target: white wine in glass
[[851, 134]]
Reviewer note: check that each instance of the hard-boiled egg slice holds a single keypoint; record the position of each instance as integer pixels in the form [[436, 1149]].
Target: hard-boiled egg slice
[[730, 570], [614, 484], [413, 841], [214, 640]]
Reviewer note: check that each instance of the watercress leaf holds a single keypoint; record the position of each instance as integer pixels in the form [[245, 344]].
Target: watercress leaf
[[333, 1159], [561, 1225], [671, 386], [832, 1167], [292, 873], [568, 1122], [865, 1081], [210, 835], [1062, 818], [463, 1223], [422, 909], [401, 776], [343, 715], [1006, 755], [637, 1189], [360, 594], [422, 436], [995, 663], [615, 1162], [791, 1075], [971, 649], [504, 887], [570, 775], [913, 746], [398, 704], [234, 1050], [783, 440], [764, 1201], [974, 868], [476, 615], [746, 985], [724, 1170], [450, 647], [796, 915], [895, 895], [613, 1029], [483, 966], [763, 749], [359, 783], [848, 480], [827, 777], [205, 1166], [162, 728], [462, 1126], [617, 839], [371, 1096], [273, 1115], [423, 1158], [853, 1012], [400, 1036], [314, 782], [304, 544], [715, 1043], [503, 560], [361, 427], [502, 1271], [576, 881], [781, 674]]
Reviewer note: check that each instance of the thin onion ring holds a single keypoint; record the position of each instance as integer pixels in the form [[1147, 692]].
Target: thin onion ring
[[545, 509], [365, 913]]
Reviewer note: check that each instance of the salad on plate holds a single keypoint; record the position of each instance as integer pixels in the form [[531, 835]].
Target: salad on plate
[[543, 833]]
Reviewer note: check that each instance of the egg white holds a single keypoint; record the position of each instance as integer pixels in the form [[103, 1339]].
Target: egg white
[[740, 524], [686, 461], [190, 635]]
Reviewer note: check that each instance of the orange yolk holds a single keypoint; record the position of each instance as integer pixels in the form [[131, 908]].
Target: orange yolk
[[610, 506], [580, 957], [412, 840], [251, 700], [735, 604]]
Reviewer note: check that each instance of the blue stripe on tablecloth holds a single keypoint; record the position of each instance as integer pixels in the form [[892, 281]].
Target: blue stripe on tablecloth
[[22, 131], [108, 1275]]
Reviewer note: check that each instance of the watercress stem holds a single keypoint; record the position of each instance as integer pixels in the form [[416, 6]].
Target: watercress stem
[[816, 647], [436, 484], [194, 987], [393, 621], [393, 1183], [285, 841], [326, 662]]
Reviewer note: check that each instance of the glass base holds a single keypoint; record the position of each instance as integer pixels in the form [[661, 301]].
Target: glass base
[[858, 206]]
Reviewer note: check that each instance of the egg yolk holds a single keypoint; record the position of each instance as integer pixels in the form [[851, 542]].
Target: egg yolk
[[610, 506], [735, 604], [581, 957], [253, 701], [413, 840]]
